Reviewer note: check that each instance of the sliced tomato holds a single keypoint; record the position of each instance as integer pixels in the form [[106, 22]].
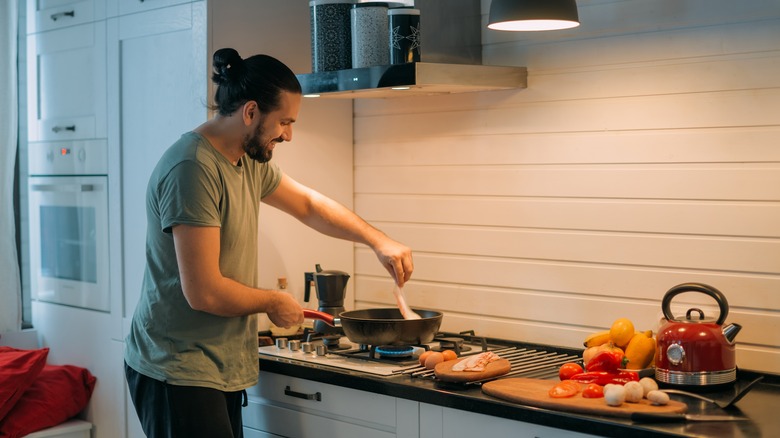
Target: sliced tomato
[[569, 369], [593, 390], [566, 388]]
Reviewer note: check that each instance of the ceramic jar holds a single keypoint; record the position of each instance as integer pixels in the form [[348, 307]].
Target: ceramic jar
[[331, 35], [404, 27], [369, 34]]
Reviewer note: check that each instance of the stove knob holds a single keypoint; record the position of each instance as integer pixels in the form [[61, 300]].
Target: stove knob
[[675, 353], [322, 350], [307, 347], [281, 343], [294, 345]]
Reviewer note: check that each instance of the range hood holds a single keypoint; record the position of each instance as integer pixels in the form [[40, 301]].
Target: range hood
[[414, 78], [451, 57]]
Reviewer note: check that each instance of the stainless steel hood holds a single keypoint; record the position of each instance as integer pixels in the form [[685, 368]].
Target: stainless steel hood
[[415, 78], [451, 55]]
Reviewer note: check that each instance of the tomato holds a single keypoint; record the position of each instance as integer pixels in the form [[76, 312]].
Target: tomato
[[569, 369], [605, 377], [593, 390], [566, 388]]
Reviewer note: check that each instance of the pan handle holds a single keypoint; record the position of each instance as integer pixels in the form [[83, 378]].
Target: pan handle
[[327, 318]]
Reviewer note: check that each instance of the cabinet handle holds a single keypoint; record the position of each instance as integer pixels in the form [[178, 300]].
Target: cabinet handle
[[59, 15], [57, 129], [316, 396], [63, 188]]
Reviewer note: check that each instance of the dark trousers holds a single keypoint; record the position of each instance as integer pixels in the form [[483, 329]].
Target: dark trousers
[[171, 411]]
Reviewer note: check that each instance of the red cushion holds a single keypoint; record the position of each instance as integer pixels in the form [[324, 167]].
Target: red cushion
[[18, 369], [58, 394]]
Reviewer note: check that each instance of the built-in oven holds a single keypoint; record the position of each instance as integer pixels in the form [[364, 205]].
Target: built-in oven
[[69, 229]]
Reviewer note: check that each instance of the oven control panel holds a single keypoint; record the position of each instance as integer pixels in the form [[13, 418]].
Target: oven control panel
[[81, 157]]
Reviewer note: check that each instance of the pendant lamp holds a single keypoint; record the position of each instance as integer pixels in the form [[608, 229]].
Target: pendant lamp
[[533, 15]]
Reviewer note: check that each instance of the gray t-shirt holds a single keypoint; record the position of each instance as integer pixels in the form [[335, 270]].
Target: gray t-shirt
[[194, 184]]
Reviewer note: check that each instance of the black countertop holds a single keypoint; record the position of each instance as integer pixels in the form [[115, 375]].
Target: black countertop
[[759, 405]]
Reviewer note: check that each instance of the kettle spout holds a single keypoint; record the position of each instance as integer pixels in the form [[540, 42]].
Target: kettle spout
[[730, 332]]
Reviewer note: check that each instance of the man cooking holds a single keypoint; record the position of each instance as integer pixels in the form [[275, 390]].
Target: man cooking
[[192, 348]]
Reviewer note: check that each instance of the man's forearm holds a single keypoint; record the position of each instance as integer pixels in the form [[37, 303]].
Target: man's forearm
[[333, 219]]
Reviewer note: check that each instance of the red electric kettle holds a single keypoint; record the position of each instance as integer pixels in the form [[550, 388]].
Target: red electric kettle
[[696, 351]]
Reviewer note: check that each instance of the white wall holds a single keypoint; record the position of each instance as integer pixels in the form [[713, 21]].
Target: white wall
[[643, 154]]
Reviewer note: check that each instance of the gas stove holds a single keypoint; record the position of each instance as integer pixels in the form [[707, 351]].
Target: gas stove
[[528, 360]]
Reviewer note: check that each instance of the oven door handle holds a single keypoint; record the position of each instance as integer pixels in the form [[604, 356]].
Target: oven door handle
[[63, 187]]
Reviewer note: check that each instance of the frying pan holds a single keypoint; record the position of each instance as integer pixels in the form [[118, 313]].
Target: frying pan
[[382, 326]]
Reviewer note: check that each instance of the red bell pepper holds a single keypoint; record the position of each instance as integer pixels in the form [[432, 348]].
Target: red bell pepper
[[606, 360], [604, 377]]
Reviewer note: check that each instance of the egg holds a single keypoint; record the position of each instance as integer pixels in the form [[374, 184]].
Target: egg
[[449, 354], [424, 356], [433, 359]]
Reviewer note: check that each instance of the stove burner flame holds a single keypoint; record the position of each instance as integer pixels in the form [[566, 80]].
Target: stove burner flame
[[395, 350]]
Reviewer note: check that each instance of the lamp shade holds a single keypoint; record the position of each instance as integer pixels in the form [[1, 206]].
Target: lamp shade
[[533, 15]]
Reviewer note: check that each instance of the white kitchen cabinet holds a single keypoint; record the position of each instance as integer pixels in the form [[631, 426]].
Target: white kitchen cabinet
[[124, 7], [291, 407], [441, 422], [157, 65], [66, 83], [150, 54], [43, 15], [251, 433]]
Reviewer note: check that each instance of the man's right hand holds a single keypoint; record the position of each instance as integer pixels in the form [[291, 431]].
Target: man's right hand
[[285, 311]]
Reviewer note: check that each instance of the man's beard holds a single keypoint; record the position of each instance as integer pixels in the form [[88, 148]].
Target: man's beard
[[256, 149]]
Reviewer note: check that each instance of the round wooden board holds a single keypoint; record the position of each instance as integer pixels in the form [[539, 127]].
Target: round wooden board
[[534, 392], [443, 371]]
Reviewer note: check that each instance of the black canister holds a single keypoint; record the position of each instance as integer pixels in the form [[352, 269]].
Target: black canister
[[331, 35], [369, 34], [404, 27]]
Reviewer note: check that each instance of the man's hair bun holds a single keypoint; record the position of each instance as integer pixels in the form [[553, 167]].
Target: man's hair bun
[[228, 66]]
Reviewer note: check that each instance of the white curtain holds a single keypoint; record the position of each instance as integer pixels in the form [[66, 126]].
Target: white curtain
[[10, 286]]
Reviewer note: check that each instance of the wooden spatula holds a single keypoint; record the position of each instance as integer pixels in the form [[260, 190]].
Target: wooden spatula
[[406, 311]]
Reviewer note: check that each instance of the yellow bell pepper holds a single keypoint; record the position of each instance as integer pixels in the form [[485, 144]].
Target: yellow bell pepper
[[640, 350]]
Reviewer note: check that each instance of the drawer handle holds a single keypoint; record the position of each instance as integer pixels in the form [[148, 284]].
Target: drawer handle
[[57, 129], [316, 396], [63, 188], [59, 15]]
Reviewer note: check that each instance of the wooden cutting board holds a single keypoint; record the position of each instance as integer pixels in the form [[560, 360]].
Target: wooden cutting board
[[444, 371], [533, 392]]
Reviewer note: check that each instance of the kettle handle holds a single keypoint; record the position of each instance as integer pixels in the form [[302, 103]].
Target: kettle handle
[[723, 304]]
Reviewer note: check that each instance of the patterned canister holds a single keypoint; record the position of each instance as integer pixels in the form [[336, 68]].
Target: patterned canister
[[404, 26], [331, 35], [369, 34]]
